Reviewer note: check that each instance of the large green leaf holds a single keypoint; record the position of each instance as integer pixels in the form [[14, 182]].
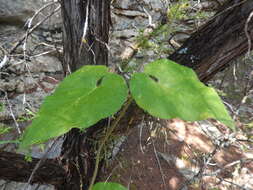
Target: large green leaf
[[108, 186], [169, 90], [81, 100]]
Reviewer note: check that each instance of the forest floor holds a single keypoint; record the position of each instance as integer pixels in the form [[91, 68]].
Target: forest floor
[[181, 155], [178, 155]]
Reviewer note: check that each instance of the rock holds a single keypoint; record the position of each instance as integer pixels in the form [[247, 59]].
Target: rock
[[19, 104], [19, 11], [8, 85], [39, 64], [52, 148], [16, 11], [16, 186], [129, 13], [20, 87], [125, 34], [46, 64], [9, 34], [129, 4], [30, 84]]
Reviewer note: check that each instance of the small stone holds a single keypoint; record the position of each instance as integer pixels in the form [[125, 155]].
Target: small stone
[[20, 87]]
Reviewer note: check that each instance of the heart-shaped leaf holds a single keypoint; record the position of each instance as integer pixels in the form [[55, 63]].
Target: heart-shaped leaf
[[81, 100], [169, 90]]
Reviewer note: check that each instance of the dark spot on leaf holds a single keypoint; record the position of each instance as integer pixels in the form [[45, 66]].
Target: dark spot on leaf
[[153, 78], [99, 81]]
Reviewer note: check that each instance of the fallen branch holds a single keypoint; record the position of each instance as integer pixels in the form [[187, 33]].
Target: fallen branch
[[14, 167]]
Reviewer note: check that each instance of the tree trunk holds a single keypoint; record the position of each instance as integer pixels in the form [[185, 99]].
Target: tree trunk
[[221, 40], [207, 51], [85, 16], [85, 36]]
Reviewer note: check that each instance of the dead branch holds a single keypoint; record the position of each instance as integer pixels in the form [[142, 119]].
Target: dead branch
[[14, 167]]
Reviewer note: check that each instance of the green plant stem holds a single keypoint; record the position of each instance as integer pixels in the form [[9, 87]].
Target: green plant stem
[[108, 134]]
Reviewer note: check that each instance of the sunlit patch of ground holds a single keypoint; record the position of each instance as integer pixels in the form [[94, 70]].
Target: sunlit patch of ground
[[177, 155]]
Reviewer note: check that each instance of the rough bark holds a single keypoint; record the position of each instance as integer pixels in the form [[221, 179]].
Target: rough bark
[[78, 150], [15, 167], [221, 40], [92, 50]]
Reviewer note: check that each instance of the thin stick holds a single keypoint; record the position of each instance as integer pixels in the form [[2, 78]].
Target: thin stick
[[39, 164], [11, 112], [108, 134], [32, 29], [247, 33], [158, 161], [141, 126]]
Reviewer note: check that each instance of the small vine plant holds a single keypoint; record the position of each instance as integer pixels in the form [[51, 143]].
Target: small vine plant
[[164, 89]]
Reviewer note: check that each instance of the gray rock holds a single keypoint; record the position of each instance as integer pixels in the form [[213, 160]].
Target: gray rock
[[39, 64], [19, 11], [8, 86], [128, 33], [20, 186], [127, 4], [20, 87], [46, 64], [129, 13], [137, 5], [19, 104]]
